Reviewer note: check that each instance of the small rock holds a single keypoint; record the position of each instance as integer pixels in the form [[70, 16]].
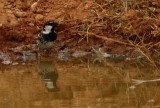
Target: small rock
[[7, 62], [20, 14], [15, 63], [39, 17], [31, 24]]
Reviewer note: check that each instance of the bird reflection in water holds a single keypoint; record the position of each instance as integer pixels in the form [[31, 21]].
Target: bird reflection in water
[[49, 75]]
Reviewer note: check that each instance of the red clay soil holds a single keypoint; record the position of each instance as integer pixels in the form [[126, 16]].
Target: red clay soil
[[83, 24]]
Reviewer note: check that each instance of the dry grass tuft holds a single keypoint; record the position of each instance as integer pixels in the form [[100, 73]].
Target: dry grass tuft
[[121, 23]]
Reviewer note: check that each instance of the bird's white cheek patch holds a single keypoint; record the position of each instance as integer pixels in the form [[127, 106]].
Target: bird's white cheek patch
[[47, 29], [45, 32]]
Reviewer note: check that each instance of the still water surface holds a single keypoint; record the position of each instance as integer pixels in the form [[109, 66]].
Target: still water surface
[[78, 83]]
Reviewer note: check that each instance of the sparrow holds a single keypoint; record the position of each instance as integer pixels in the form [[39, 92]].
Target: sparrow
[[47, 36]]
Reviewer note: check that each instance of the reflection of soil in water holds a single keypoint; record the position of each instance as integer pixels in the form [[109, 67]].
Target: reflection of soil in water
[[79, 84]]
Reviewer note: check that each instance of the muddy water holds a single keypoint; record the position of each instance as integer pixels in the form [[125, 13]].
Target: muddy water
[[78, 83]]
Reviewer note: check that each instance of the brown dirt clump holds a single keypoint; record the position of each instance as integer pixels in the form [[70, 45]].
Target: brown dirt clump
[[119, 27]]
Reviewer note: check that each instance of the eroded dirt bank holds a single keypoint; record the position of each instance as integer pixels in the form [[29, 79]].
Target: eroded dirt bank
[[116, 26]]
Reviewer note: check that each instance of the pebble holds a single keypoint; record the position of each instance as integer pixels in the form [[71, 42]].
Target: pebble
[[7, 62], [20, 14], [15, 63], [39, 17]]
